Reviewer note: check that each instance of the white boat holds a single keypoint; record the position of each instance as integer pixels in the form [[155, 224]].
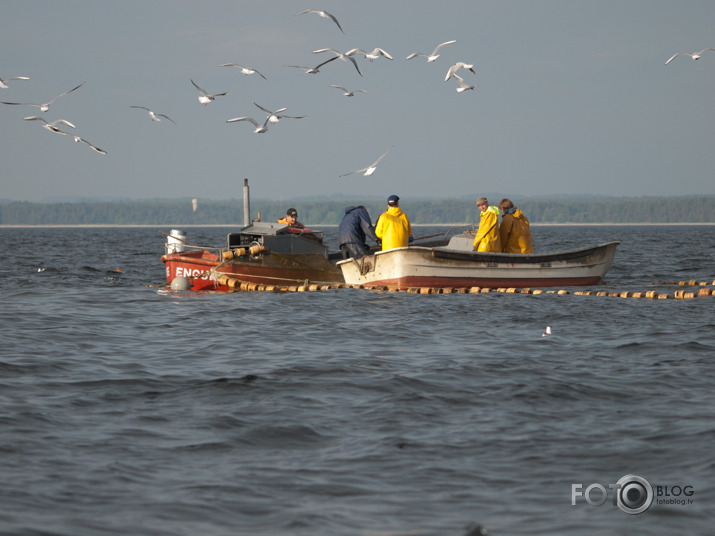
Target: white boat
[[454, 265]]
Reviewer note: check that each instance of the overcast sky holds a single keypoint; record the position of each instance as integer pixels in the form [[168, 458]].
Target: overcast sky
[[572, 97]]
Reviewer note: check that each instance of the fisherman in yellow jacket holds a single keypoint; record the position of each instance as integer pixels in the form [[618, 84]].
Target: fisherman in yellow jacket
[[514, 231], [487, 238], [393, 227]]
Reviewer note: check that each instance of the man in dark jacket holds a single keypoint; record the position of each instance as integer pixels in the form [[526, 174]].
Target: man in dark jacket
[[354, 228]]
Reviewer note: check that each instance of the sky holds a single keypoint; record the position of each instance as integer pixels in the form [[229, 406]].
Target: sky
[[572, 97]]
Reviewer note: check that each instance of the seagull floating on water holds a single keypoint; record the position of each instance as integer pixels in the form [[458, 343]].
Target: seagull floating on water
[[434, 55], [694, 55], [274, 117], [369, 170], [324, 15], [205, 98], [347, 92], [456, 67], [46, 106], [547, 331], [313, 70], [342, 55], [154, 116], [260, 129], [463, 86], [373, 55], [3, 83], [244, 70]]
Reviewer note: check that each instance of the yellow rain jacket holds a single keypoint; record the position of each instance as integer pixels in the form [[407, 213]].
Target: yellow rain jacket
[[394, 228], [515, 233], [487, 238]]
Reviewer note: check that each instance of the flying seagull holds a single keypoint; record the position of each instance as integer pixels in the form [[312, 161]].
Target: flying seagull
[[347, 92], [244, 70], [154, 116], [274, 117], [96, 149], [46, 106], [694, 55], [434, 55], [456, 67], [371, 168], [463, 86], [4, 85], [323, 14], [342, 55], [313, 70], [205, 98], [260, 129], [52, 127], [373, 55]]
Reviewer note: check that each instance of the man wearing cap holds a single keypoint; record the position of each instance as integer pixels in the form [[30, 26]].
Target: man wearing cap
[[291, 219], [393, 226], [487, 238]]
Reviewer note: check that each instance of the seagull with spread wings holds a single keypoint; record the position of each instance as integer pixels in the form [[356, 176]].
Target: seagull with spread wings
[[372, 55], [260, 129], [463, 86], [694, 55], [324, 15], [45, 106], [205, 98], [154, 116], [434, 55], [342, 55], [347, 92], [244, 70], [369, 170], [313, 70], [274, 117], [51, 126], [456, 67]]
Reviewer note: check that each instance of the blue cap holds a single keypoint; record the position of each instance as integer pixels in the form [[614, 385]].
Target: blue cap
[[393, 199]]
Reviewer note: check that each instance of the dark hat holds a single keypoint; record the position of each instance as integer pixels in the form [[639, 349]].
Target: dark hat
[[292, 212], [392, 199]]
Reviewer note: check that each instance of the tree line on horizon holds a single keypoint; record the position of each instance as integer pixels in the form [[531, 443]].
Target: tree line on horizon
[[699, 209]]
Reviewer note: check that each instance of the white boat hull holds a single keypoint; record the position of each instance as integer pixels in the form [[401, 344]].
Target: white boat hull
[[446, 267]]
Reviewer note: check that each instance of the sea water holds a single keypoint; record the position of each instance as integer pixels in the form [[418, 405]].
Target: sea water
[[127, 408]]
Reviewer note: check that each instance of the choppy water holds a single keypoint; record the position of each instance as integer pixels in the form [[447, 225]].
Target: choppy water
[[127, 409]]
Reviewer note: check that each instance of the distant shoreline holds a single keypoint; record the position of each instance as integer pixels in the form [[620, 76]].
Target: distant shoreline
[[174, 226]]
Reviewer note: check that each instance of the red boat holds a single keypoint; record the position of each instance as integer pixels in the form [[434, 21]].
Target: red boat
[[263, 253]]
